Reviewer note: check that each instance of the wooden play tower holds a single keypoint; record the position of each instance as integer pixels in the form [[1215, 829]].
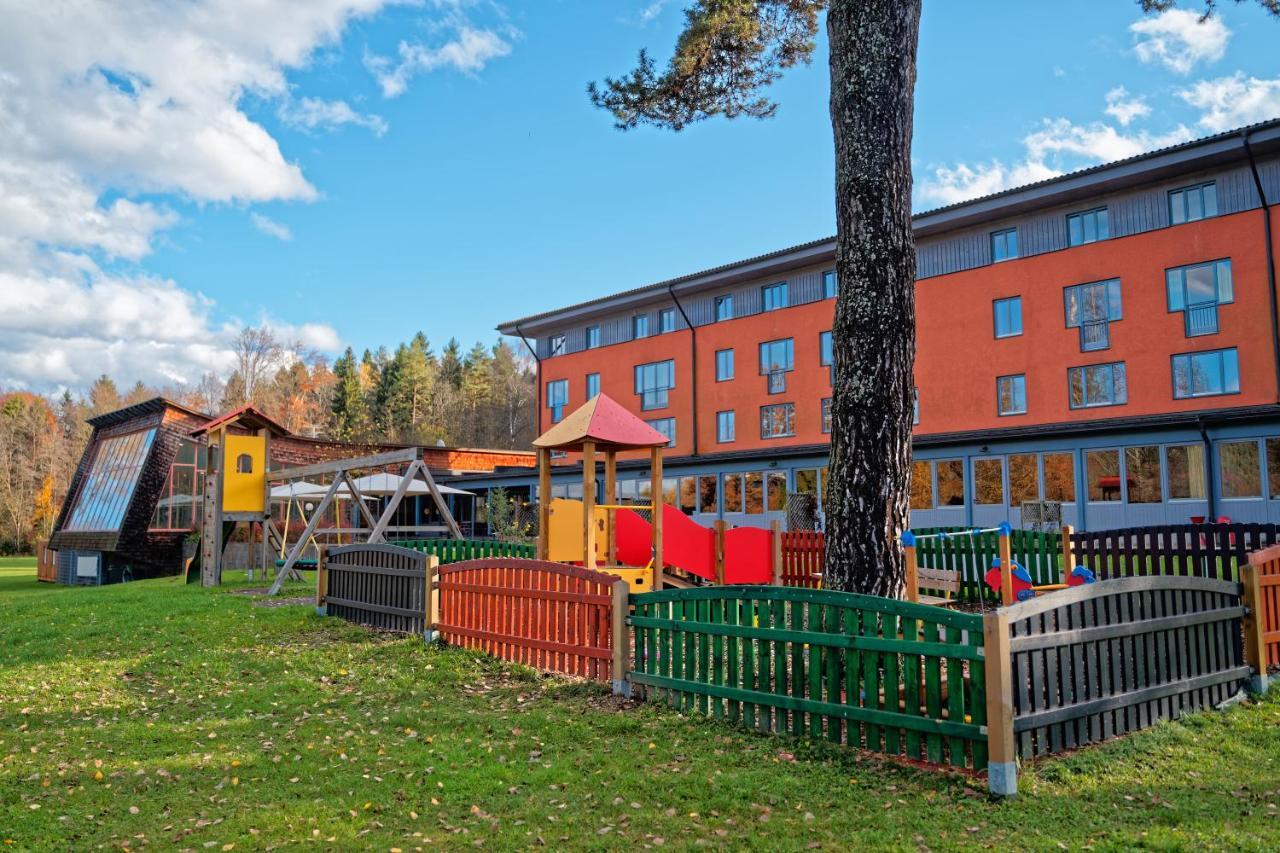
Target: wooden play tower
[[601, 427]]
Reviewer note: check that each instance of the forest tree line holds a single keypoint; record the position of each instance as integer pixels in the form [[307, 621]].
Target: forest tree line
[[483, 397]]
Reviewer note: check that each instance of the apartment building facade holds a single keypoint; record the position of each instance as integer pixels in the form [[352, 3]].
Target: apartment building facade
[[1107, 339]]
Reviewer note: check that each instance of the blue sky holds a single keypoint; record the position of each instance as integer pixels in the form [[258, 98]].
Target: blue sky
[[479, 185]]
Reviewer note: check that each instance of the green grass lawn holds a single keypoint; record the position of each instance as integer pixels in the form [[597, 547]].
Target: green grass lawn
[[157, 714]]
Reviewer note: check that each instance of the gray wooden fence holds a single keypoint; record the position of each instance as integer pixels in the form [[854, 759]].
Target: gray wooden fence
[[381, 586], [1106, 659]]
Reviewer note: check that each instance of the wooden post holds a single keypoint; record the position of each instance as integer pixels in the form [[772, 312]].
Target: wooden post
[[911, 576], [1068, 555], [1253, 627], [655, 477], [322, 582], [611, 500], [1002, 754], [431, 598], [718, 526], [544, 501], [1006, 567], [589, 505], [621, 638], [775, 541]]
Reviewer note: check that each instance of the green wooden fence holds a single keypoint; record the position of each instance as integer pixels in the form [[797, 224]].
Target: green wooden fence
[[457, 550], [886, 675], [1040, 552]]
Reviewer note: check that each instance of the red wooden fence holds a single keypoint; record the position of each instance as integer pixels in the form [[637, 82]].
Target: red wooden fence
[[803, 552], [1267, 562], [546, 615]]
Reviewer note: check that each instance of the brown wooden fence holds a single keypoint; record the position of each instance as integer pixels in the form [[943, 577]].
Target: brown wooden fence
[[1198, 550], [1102, 660], [803, 553], [542, 614], [1267, 564], [381, 586], [46, 563]]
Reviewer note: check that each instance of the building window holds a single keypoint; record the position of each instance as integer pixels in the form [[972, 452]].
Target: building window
[[915, 406], [1241, 469], [1185, 466], [1142, 471], [666, 426], [176, 509], [1102, 471], [1059, 477], [1191, 203], [724, 307], [724, 365], [829, 285], [1088, 227], [1204, 374], [988, 481], [593, 337], [593, 385], [726, 427], [640, 326], [1008, 316], [557, 398], [666, 320], [950, 482], [653, 381], [707, 496], [1097, 385], [1024, 479], [774, 296], [921, 485], [1004, 244], [1011, 391], [1197, 291], [777, 358], [755, 492], [732, 493], [826, 415], [1092, 308], [1273, 467], [778, 420], [555, 345]]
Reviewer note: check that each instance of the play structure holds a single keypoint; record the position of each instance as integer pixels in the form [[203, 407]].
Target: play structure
[[1011, 581], [240, 490], [615, 538]]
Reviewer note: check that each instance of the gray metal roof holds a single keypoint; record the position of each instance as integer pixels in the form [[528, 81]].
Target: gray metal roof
[[1142, 168]]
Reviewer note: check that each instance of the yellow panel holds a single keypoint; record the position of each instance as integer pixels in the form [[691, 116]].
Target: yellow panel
[[639, 579], [564, 544], [241, 491]]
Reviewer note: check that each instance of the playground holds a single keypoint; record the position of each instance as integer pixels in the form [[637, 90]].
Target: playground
[[222, 723]]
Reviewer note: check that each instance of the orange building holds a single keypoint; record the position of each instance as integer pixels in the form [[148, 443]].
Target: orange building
[[1106, 339]]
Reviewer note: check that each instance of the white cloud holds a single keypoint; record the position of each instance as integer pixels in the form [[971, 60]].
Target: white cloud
[[1124, 108], [113, 112], [1180, 39], [1233, 101], [319, 114], [469, 51], [270, 227], [1056, 147]]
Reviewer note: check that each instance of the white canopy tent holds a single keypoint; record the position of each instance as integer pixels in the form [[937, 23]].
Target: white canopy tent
[[383, 484]]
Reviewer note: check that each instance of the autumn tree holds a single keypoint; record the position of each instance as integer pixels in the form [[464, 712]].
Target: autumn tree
[[726, 56]]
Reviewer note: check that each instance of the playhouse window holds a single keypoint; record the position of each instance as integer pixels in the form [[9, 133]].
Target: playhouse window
[[244, 464]]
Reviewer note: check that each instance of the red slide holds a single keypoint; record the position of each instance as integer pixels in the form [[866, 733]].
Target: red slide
[[691, 547]]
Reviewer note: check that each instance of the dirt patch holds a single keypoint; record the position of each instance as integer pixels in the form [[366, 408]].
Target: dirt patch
[[253, 590], [284, 602]]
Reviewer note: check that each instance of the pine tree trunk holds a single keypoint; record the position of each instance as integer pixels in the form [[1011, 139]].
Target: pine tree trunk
[[873, 78]]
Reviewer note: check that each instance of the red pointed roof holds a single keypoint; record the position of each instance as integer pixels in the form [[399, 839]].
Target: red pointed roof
[[246, 416], [605, 422]]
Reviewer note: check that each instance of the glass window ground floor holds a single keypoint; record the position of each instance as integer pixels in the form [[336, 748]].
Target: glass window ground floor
[[1101, 482]]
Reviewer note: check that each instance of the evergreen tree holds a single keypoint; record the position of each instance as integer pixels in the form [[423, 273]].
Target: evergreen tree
[[350, 414], [451, 364], [103, 395]]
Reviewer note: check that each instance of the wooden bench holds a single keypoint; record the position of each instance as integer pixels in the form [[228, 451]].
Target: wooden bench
[[938, 580]]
